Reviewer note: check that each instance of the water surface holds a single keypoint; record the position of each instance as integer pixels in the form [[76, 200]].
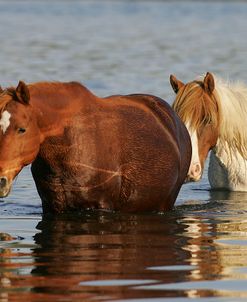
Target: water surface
[[198, 250]]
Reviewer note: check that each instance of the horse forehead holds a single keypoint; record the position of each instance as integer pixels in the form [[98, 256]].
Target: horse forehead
[[5, 120]]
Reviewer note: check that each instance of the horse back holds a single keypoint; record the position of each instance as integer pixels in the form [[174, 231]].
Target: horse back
[[163, 115], [164, 132]]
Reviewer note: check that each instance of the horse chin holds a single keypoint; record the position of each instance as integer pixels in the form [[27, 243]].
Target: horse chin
[[4, 192], [191, 179]]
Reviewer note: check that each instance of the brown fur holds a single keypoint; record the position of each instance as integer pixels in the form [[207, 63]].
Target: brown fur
[[194, 105], [128, 153]]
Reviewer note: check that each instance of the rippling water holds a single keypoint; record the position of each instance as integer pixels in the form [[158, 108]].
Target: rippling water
[[198, 250]]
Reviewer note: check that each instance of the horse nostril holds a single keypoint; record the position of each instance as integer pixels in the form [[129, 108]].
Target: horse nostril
[[197, 169], [3, 182]]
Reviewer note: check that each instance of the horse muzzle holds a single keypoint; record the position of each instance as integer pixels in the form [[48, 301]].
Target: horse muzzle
[[5, 186], [193, 178], [194, 173]]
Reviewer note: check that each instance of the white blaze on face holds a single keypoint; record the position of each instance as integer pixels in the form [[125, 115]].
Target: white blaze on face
[[194, 172], [5, 121]]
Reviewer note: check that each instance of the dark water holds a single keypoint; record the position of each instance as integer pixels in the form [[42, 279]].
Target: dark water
[[198, 250]]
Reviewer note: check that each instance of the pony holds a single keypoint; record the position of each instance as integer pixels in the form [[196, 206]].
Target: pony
[[126, 153], [215, 114]]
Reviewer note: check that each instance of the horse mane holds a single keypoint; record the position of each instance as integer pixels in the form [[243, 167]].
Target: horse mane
[[233, 102], [226, 109], [9, 93], [48, 87], [53, 85]]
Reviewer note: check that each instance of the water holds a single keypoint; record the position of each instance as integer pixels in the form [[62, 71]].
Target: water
[[198, 250]]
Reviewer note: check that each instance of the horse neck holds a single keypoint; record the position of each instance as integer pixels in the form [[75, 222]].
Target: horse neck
[[232, 101], [57, 104]]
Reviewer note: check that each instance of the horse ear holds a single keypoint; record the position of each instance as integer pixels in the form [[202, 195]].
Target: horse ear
[[209, 83], [175, 83], [22, 93]]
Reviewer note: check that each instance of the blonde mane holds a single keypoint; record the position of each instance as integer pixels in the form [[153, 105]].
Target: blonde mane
[[9, 93], [233, 103], [225, 109]]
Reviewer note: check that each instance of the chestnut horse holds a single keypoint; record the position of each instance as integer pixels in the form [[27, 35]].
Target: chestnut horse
[[215, 113], [127, 153]]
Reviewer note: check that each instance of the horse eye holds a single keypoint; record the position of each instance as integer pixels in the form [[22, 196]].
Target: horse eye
[[21, 130], [207, 121]]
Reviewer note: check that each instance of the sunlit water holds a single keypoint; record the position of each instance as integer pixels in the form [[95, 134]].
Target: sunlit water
[[198, 250]]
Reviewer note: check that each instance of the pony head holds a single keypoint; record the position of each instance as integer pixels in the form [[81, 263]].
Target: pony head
[[196, 104], [19, 134]]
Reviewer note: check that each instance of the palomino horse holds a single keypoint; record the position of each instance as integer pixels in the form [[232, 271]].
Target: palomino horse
[[215, 113], [127, 153]]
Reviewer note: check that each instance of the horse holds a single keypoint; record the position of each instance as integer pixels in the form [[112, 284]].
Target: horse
[[215, 113], [127, 153]]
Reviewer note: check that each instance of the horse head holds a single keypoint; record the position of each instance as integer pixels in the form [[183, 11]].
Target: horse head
[[19, 134], [196, 104]]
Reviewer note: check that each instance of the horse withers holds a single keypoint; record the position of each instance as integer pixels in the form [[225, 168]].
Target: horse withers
[[128, 153], [215, 113]]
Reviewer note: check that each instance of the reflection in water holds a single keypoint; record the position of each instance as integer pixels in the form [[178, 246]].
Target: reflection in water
[[104, 247], [228, 195], [108, 256], [4, 277]]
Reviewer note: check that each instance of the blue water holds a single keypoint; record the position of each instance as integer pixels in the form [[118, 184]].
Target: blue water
[[198, 250]]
